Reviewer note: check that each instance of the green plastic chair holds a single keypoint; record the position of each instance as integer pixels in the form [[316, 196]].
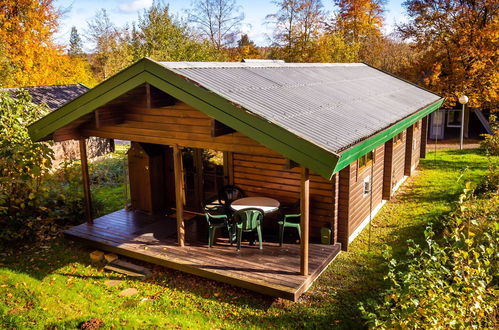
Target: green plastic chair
[[216, 221], [248, 220], [289, 221]]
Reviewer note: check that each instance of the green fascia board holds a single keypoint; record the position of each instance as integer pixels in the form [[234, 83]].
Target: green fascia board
[[276, 138], [375, 141]]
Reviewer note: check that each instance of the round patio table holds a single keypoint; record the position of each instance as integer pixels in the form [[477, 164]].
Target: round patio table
[[264, 203]]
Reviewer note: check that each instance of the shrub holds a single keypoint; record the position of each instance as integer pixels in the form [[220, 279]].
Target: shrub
[[447, 283], [23, 164], [491, 141]]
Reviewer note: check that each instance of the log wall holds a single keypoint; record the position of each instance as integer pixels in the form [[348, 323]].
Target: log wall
[[270, 176], [354, 205]]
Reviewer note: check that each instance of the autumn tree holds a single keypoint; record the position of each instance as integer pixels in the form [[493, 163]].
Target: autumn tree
[[218, 21], [246, 48], [75, 43], [26, 31], [458, 46], [165, 38], [297, 27], [157, 35], [359, 20], [103, 34], [358, 23]]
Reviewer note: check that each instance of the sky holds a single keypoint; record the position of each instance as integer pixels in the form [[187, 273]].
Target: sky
[[78, 12]]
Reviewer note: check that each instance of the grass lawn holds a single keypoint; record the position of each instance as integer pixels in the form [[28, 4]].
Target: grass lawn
[[52, 284]]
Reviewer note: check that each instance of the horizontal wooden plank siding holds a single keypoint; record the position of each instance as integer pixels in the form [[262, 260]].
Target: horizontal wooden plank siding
[[361, 204], [270, 176], [176, 124], [398, 162]]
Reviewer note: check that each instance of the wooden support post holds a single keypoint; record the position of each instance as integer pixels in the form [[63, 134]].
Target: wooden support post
[[179, 199], [424, 136], [86, 181], [304, 223]]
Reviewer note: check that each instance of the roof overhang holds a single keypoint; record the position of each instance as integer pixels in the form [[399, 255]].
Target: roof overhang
[[353, 153], [268, 134], [303, 152]]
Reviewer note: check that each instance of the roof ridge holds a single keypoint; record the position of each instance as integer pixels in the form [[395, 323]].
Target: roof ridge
[[227, 65]]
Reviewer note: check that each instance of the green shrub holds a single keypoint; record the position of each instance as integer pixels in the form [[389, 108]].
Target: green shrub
[[23, 164], [491, 141], [447, 283]]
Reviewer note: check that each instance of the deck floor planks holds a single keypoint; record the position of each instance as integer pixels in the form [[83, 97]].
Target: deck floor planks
[[273, 270]]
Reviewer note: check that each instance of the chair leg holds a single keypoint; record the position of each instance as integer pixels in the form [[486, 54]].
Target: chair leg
[[239, 237], [299, 232], [231, 236], [210, 229], [212, 235], [281, 234], [259, 231]]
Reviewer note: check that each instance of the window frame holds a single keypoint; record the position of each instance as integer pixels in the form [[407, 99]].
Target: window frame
[[458, 118], [397, 139], [367, 161]]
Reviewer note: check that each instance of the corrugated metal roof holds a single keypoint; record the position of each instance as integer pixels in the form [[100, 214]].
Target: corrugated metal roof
[[333, 105], [54, 96]]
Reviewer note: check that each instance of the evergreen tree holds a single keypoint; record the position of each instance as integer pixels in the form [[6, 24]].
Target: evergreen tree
[[75, 43]]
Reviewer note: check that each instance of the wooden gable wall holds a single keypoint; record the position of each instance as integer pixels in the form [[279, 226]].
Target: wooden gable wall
[[256, 169]]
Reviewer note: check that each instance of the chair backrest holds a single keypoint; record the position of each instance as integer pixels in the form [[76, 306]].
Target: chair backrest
[[249, 219], [210, 211], [229, 194]]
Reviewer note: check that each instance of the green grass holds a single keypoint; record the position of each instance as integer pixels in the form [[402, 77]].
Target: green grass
[[53, 285]]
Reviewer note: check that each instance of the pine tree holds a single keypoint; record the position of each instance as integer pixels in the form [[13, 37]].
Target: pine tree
[[75, 43]]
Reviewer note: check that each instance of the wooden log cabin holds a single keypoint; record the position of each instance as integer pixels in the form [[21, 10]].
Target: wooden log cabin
[[338, 138]]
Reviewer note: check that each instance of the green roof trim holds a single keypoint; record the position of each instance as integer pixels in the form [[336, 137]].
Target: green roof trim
[[288, 144], [375, 141]]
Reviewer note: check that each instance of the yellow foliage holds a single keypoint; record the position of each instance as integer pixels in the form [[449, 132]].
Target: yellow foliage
[[26, 30]]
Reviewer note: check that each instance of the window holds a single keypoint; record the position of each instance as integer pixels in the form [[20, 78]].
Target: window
[[365, 160], [398, 138], [417, 125], [454, 118], [367, 185]]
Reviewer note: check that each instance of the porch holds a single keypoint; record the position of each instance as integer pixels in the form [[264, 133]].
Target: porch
[[272, 271]]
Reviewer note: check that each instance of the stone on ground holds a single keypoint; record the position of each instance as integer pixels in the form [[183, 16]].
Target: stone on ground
[[97, 256], [128, 292]]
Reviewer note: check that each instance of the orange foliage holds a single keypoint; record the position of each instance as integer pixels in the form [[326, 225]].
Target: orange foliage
[[459, 54], [360, 19], [26, 30]]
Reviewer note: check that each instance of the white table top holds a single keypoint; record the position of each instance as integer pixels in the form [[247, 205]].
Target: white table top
[[264, 203]]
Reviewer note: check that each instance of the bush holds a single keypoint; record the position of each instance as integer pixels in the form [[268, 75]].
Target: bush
[[450, 283], [23, 164], [491, 141]]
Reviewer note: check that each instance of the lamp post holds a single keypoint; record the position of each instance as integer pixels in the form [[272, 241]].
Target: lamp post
[[463, 99]]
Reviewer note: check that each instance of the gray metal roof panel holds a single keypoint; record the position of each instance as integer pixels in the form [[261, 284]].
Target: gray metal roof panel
[[333, 105]]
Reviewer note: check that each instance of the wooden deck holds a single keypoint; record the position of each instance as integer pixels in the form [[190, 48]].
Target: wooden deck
[[272, 271]]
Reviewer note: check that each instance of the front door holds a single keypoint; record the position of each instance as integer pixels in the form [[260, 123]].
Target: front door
[[203, 176]]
